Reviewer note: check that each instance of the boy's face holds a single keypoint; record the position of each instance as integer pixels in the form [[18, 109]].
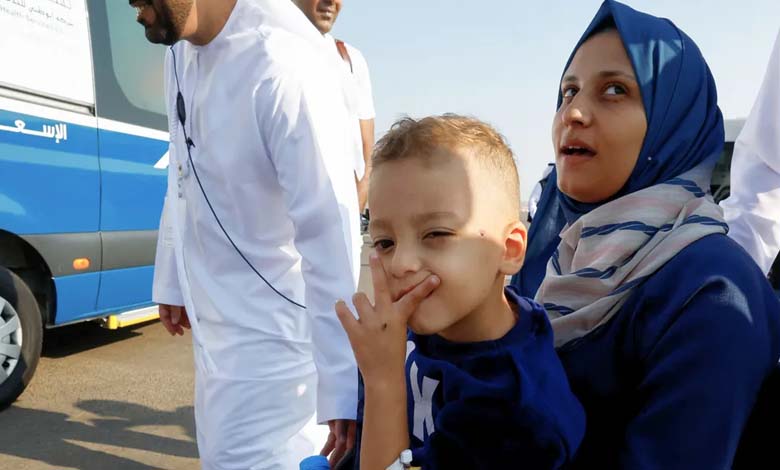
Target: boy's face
[[444, 217]]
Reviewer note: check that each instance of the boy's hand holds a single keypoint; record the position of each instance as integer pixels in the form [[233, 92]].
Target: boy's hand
[[378, 336]]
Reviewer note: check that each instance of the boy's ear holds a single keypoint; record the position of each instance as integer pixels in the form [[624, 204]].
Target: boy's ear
[[514, 248]]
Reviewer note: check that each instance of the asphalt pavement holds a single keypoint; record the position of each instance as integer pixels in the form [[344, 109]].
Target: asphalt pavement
[[111, 400], [105, 400]]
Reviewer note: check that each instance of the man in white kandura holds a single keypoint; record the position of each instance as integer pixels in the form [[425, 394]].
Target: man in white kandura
[[753, 208], [323, 14], [259, 221]]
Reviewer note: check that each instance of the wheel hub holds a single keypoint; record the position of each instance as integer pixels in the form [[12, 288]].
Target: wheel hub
[[10, 339]]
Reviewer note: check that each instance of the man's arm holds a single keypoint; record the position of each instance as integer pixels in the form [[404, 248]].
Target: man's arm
[[366, 115], [166, 291], [300, 121], [165, 286], [367, 135], [753, 208]]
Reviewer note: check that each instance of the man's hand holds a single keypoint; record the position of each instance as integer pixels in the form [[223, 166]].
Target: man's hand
[[174, 319], [378, 336], [340, 440], [362, 190]]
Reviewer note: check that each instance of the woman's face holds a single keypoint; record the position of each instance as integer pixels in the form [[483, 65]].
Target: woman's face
[[600, 126]]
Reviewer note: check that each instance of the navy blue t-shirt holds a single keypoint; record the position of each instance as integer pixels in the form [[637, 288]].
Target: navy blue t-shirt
[[493, 404]]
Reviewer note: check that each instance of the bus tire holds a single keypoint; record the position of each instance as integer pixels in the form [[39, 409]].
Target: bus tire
[[21, 336]]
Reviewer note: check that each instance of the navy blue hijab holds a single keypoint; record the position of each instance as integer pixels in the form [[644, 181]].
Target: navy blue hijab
[[684, 124]]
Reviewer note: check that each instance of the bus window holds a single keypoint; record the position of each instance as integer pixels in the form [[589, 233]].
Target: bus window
[[128, 69], [50, 38]]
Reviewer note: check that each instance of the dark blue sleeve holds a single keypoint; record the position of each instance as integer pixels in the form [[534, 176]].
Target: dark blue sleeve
[[702, 369]]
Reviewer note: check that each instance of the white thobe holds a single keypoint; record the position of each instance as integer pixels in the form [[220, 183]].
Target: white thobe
[[268, 120], [753, 208]]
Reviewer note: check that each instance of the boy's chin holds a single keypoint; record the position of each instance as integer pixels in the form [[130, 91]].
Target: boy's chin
[[422, 330], [423, 323]]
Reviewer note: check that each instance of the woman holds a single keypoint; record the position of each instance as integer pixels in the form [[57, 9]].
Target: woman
[[665, 326]]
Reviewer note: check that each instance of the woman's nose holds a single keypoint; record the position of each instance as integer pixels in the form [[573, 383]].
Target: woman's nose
[[577, 112]]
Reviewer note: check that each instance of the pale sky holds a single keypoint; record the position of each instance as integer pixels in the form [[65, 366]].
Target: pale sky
[[501, 60]]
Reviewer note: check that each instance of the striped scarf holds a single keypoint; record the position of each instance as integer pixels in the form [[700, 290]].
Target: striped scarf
[[609, 251]]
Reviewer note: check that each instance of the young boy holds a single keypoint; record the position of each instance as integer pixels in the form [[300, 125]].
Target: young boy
[[476, 383]]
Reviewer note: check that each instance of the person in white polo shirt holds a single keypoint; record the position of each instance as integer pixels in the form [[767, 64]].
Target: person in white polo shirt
[[323, 14]]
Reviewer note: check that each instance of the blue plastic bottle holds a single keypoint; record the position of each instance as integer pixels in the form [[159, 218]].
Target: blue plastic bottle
[[315, 462]]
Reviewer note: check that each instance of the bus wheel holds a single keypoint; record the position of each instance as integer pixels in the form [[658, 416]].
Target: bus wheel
[[21, 333]]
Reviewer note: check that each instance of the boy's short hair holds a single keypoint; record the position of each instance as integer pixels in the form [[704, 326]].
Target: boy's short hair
[[421, 138]]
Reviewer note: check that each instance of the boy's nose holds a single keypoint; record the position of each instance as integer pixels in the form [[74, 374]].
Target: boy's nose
[[404, 262]]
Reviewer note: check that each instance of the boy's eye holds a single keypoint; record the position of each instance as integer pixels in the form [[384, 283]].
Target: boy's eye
[[437, 234], [615, 90], [382, 245]]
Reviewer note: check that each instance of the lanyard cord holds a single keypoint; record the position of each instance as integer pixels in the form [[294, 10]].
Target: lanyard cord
[[182, 114]]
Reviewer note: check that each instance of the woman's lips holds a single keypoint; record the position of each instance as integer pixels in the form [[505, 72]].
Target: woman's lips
[[578, 151], [576, 148]]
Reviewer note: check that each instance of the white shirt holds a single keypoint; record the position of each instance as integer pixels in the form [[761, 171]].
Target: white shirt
[[753, 208], [360, 100], [270, 150]]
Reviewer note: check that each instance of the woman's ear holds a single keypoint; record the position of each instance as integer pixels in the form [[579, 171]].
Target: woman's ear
[[514, 248]]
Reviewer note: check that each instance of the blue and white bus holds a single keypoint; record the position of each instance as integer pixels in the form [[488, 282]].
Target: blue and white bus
[[83, 158]]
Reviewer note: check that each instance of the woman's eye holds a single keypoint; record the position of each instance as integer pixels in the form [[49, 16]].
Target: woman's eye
[[382, 245], [569, 92], [615, 90]]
